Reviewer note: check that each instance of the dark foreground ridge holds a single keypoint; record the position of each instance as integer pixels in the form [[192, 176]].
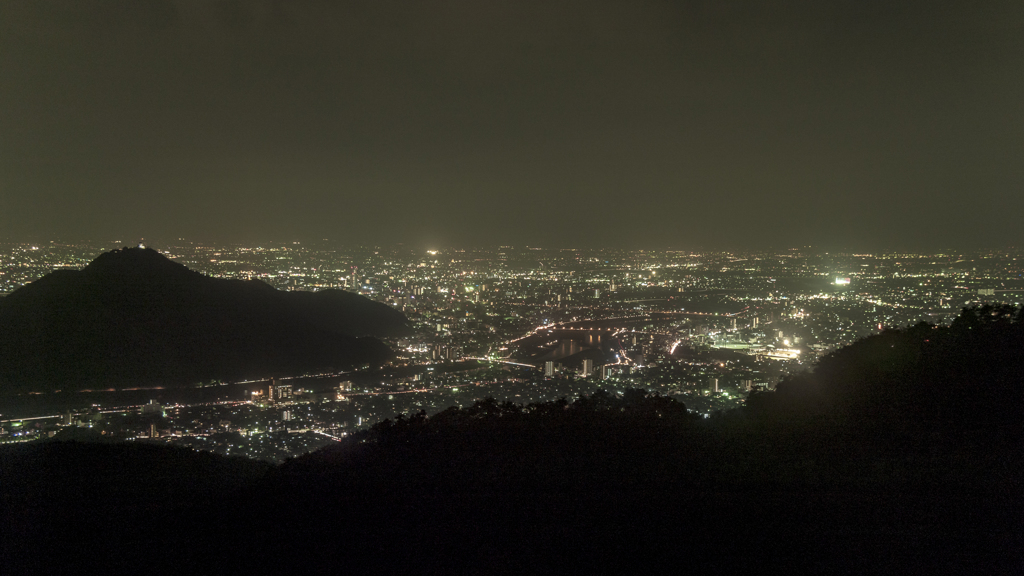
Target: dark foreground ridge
[[608, 484], [134, 318]]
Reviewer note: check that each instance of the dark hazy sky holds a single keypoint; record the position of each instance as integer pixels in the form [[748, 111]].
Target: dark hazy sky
[[640, 123]]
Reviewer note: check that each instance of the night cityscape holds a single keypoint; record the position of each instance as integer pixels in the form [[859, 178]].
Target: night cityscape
[[523, 325], [534, 287]]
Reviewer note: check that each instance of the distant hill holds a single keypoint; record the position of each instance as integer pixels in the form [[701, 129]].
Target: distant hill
[[133, 317]]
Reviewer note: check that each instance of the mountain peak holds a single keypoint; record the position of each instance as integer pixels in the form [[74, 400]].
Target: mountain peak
[[132, 317], [136, 262]]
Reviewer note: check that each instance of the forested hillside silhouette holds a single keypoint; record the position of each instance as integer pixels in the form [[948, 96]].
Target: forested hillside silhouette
[[883, 460], [965, 376]]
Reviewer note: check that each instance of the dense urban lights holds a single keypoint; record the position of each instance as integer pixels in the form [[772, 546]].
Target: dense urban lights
[[522, 325]]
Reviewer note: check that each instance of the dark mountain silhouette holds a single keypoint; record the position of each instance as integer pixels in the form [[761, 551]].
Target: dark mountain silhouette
[[132, 317], [826, 481], [943, 379], [607, 484]]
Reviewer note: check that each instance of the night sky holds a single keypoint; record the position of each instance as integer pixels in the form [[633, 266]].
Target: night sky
[[641, 124]]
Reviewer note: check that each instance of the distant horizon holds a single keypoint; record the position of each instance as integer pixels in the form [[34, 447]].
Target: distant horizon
[[424, 246]]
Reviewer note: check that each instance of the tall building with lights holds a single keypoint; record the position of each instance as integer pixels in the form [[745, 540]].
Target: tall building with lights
[[588, 367]]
